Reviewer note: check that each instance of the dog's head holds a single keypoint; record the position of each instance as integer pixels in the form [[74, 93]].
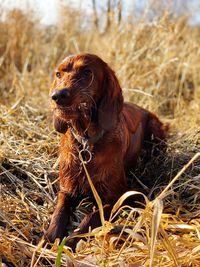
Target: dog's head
[[84, 83]]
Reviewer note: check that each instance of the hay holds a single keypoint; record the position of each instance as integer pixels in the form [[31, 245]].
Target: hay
[[158, 67]]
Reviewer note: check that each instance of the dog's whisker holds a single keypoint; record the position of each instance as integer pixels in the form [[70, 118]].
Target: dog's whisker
[[89, 96]]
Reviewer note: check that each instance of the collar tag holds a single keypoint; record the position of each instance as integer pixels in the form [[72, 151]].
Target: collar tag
[[85, 155]]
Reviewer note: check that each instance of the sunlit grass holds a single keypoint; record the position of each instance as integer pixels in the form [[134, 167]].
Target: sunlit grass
[[158, 67]]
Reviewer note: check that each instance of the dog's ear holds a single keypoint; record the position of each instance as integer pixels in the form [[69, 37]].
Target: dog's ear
[[111, 102], [60, 125]]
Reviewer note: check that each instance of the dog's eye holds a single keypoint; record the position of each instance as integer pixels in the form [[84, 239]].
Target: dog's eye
[[87, 72], [58, 74]]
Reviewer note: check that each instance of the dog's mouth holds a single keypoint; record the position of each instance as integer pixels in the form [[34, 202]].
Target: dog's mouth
[[72, 111]]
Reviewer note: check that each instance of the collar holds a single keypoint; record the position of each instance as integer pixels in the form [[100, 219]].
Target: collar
[[85, 154], [86, 139]]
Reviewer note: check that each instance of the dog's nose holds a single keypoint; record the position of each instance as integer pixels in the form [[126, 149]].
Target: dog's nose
[[59, 96]]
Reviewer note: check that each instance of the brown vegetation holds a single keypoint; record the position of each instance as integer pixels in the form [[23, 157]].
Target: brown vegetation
[[157, 64]]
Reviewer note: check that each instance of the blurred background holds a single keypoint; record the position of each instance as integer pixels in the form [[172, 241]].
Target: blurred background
[[152, 45], [48, 12]]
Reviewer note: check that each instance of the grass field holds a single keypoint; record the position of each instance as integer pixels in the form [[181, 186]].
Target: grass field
[[158, 65]]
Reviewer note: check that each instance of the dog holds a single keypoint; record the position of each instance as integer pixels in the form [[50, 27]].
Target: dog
[[100, 130]]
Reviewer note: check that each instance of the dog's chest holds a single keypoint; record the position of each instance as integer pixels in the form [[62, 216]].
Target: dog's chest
[[72, 172]]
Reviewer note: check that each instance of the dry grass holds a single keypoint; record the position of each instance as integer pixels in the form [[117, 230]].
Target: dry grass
[[158, 66]]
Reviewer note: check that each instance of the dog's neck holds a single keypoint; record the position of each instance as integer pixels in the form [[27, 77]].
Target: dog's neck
[[85, 127]]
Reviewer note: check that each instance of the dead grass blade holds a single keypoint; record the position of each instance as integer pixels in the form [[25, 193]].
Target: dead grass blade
[[123, 198], [96, 195], [36, 250], [163, 193], [155, 224], [168, 246]]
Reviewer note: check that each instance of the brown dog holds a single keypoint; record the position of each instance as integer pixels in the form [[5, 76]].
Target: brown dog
[[95, 123]]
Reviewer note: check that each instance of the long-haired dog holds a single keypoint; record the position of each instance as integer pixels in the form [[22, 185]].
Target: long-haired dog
[[99, 127]]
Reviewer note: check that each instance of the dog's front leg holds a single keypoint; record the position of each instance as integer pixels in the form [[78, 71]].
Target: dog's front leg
[[60, 218], [90, 221]]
